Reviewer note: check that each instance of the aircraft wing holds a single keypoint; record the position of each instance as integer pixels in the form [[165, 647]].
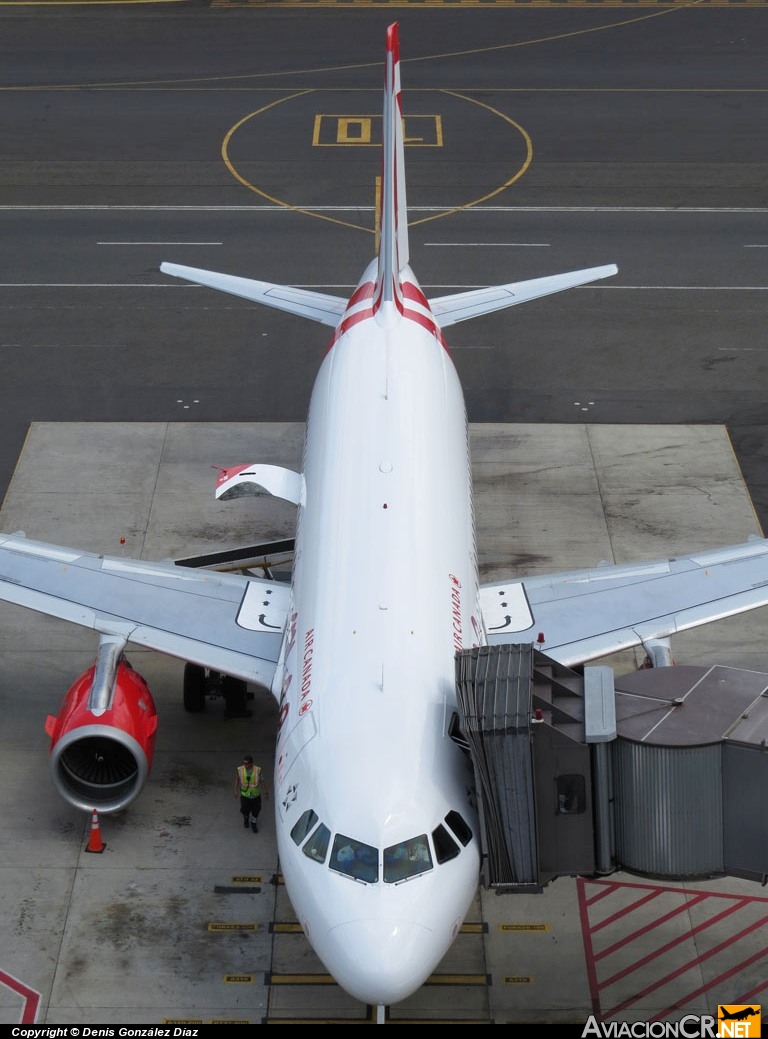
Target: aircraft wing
[[585, 614], [226, 622], [462, 306], [317, 306]]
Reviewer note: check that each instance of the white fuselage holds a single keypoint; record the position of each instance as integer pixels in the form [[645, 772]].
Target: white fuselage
[[385, 592]]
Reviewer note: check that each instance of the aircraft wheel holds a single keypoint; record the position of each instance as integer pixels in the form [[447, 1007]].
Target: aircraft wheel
[[194, 688], [234, 691]]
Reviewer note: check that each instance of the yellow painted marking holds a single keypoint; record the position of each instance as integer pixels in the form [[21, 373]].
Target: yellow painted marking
[[433, 980], [238, 979], [431, 127], [457, 979], [317, 141], [539, 928], [353, 130], [518, 979], [364, 131], [287, 927], [183, 1021], [233, 927], [245, 879], [301, 979]]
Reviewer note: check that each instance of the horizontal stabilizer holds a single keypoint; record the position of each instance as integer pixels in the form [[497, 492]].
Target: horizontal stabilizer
[[449, 310], [317, 306]]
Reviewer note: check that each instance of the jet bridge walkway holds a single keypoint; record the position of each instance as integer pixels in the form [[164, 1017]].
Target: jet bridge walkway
[[658, 772]]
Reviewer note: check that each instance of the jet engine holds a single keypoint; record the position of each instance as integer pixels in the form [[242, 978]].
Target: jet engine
[[104, 737]]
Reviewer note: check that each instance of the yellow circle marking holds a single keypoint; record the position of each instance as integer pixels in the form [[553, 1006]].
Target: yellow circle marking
[[358, 227], [264, 194], [429, 57], [502, 187]]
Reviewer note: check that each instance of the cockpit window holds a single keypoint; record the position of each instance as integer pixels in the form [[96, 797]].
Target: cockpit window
[[361, 861], [459, 827], [304, 826], [446, 847], [407, 859], [354, 859], [317, 846]]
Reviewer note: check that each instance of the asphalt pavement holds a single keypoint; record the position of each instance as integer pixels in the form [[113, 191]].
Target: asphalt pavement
[[540, 140]]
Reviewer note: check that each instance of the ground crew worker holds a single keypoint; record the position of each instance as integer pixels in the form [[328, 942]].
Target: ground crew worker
[[248, 787]]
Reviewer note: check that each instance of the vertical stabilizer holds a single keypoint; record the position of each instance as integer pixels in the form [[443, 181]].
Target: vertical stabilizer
[[388, 299], [393, 222]]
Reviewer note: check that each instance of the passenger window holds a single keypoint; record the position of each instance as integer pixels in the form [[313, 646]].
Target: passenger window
[[304, 826], [317, 845], [459, 827], [407, 859], [355, 859], [446, 847]]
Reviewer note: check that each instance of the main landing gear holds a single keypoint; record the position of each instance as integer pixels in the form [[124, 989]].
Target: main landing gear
[[201, 685]]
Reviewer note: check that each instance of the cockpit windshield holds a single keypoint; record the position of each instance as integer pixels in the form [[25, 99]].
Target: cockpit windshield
[[355, 859], [363, 862], [407, 859]]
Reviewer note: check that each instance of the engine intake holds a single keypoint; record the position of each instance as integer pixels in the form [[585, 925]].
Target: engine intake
[[102, 747]]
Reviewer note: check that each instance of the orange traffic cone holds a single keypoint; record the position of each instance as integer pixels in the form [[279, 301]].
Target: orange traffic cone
[[95, 842]]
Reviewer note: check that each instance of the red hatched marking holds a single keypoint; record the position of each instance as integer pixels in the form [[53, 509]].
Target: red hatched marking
[[629, 960], [29, 995]]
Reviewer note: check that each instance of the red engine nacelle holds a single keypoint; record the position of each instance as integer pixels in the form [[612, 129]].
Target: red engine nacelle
[[101, 757]]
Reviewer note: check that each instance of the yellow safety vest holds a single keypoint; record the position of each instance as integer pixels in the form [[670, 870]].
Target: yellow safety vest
[[250, 785]]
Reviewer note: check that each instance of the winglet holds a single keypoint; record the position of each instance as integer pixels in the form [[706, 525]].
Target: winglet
[[393, 221]]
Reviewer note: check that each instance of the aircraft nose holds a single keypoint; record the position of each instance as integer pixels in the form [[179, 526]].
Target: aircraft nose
[[382, 962]]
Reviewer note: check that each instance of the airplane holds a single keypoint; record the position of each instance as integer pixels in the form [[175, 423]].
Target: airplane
[[738, 1015], [377, 829]]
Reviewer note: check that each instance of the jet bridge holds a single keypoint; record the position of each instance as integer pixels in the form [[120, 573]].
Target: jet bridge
[[661, 772]]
